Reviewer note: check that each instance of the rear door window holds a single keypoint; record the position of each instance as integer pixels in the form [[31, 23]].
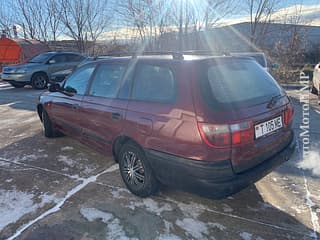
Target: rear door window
[[107, 80], [60, 58], [74, 58], [153, 83], [227, 83]]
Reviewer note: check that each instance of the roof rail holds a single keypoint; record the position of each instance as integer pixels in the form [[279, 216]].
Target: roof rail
[[175, 55], [206, 52]]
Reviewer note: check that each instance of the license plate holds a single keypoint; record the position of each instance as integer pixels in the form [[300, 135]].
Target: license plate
[[267, 127]]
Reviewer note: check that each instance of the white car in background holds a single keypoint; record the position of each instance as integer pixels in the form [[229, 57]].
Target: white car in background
[[316, 79]]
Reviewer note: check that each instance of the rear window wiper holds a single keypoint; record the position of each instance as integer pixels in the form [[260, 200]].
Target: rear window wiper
[[273, 101]]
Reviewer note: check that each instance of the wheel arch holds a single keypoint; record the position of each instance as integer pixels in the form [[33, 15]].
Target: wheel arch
[[119, 142], [39, 110], [42, 72]]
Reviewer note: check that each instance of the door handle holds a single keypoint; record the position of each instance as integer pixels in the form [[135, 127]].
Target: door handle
[[75, 106], [116, 116]]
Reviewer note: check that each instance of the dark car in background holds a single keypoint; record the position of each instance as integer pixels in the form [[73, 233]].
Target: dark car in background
[[210, 125], [260, 57], [37, 71], [59, 76]]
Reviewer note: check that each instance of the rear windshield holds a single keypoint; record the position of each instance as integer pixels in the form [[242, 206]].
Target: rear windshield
[[235, 82]]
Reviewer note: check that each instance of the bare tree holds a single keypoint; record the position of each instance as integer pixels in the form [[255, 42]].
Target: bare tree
[[85, 20], [6, 20], [197, 18], [291, 47], [26, 17], [149, 18], [54, 23], [40, 19], [260, 13]]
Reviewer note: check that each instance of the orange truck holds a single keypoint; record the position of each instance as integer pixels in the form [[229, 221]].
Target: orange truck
[[16, 51]]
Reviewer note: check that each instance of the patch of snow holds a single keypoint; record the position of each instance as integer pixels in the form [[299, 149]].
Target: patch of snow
[[113, 168], [88, 170], [45, 198], [40, 150], [66, 160], [217, 225], [311, 163], [296, 209], [314, 216], [115, 231], [29, 157], [116, 193], [61, 202], [275, 179], [114, 228], [227, 208], [14, 204], [9, 180], [153, 206], [192, 227], [310, 203], [193, 210], [5, 164], [246, 236], [168, 226], [92, 214], [168, 237], [66, 148]]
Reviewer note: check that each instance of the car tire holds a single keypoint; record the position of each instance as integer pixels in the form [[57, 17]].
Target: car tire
[[49, 130], [136, 171], [314, 90], [17, 85], [39, 81]]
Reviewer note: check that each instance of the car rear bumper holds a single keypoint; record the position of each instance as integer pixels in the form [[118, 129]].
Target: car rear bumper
[[212, 179]]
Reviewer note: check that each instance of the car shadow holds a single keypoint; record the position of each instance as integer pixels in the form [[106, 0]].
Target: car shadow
[[246, 211]]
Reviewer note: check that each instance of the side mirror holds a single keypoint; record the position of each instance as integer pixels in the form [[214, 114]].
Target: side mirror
[[55, 87], [52, 61]]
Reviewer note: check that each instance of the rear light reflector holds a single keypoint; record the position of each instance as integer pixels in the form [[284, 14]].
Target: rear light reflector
[[242, 133], [288, 115], [226, 135]]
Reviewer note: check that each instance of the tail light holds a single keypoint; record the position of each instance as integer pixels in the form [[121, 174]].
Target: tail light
[[288, 115], [226, 135]]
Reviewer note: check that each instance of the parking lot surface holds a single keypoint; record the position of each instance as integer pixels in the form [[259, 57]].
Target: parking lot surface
[[60, 189]]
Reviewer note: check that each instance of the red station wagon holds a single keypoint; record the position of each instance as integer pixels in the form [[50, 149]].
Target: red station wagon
[[210, 125]]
